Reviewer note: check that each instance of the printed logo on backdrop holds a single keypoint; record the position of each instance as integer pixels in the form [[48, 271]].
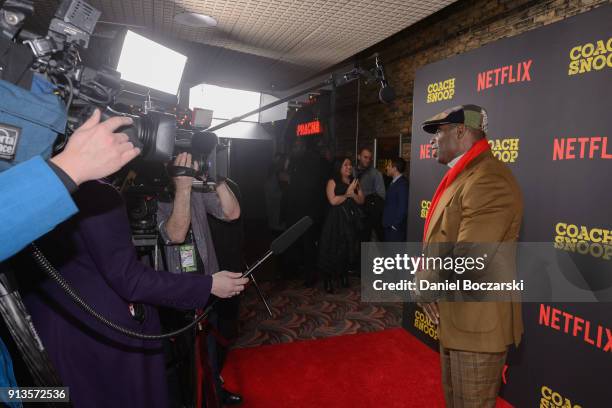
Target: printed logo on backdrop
[[441, 91], [505, 150], [425, 152], [424, 208], [552, 399], [591, 56], [424, 324], [591, 241], [581, 148], [590, 333], [505, 75]]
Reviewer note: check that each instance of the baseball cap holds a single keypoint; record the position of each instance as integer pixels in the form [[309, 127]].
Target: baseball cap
[[472, 116]]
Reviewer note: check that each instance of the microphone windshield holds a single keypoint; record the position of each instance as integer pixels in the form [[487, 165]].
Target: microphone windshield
[[386, 94], [288, 237]]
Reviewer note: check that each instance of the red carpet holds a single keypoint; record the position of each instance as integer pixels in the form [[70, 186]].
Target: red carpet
[[390, 368]]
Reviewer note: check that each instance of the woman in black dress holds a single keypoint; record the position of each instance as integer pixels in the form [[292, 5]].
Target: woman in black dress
[[339, 240]]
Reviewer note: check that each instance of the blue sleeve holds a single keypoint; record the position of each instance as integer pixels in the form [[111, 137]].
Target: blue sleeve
[[7, 377], [33, 201]]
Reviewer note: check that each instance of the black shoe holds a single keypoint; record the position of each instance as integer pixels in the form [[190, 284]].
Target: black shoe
[[329, 287], [344, 281], [229, 398]]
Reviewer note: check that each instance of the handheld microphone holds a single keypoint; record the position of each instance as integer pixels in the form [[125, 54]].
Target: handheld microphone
[[280, 244]]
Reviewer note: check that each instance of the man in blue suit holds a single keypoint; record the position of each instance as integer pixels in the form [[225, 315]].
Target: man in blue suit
[[396, 203]]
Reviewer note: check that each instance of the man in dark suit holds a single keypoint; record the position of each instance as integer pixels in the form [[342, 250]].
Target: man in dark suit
[[396, 204]]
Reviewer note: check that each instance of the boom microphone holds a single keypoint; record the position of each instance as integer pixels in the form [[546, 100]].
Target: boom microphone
[[386, 93], [290, 236], [280, 244]]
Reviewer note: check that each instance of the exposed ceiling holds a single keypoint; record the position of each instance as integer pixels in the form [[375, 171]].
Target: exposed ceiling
[[300, 37]]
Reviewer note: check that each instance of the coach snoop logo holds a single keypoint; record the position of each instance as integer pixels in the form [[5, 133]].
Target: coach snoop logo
[[507, 74], [441, 91], [505, 150], [551, 399], [593, 241], [592, 56], [425, 204], [424, 324]]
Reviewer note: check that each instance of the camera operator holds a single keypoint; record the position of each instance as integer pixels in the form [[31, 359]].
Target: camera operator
[[35, 194], [184, 227], [95, 254]]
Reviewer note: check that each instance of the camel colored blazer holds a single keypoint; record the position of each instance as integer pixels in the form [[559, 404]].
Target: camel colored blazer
[[483, 206]]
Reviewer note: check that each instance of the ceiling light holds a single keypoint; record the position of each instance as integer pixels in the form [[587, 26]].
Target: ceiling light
[[195, 20]]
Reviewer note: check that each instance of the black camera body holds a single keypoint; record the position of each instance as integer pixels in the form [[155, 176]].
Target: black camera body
[[56, 56]]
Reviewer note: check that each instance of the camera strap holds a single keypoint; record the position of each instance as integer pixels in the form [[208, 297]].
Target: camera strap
[[180, 171]]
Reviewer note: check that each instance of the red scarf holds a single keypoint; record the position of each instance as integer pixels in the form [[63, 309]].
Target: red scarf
[[477, 148]]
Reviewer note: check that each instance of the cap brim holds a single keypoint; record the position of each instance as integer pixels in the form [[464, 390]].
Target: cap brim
[[431, 126]]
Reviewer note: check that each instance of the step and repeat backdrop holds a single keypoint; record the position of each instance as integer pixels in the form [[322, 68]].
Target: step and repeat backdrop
[[548, 95]]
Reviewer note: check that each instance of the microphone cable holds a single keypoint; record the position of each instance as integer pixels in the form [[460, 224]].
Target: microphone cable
[[46, 266]]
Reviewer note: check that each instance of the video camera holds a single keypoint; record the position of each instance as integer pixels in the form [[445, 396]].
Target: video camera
[[56, 57]]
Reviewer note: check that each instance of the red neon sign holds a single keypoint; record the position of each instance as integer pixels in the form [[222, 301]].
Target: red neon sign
[[309, 128]]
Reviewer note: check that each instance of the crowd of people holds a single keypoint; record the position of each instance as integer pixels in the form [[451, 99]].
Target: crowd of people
[[350, 203]]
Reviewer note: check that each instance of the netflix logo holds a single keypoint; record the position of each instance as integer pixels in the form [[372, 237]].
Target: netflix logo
[[425, 152], [572, 148], [592, 334], [508, 74]]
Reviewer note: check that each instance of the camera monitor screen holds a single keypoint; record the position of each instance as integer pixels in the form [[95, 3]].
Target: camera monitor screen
[[150, 64]]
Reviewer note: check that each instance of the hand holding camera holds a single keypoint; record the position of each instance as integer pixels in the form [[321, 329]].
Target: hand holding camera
[[184, 183], [95, 151]]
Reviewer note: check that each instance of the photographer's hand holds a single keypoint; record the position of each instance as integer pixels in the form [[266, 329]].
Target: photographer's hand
[[95, 151], [178, 223], [227, 284], [183, 183]]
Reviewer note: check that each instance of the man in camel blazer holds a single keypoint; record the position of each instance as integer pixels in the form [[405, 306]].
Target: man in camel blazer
[[478, 210]]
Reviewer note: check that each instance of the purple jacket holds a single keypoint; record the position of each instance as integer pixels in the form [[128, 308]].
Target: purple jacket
[[94, 252]]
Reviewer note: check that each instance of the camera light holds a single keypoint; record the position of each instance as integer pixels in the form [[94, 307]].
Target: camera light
[[150, 64]]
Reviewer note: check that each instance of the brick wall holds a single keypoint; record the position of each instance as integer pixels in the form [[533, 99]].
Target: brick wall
[[461, 27]]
